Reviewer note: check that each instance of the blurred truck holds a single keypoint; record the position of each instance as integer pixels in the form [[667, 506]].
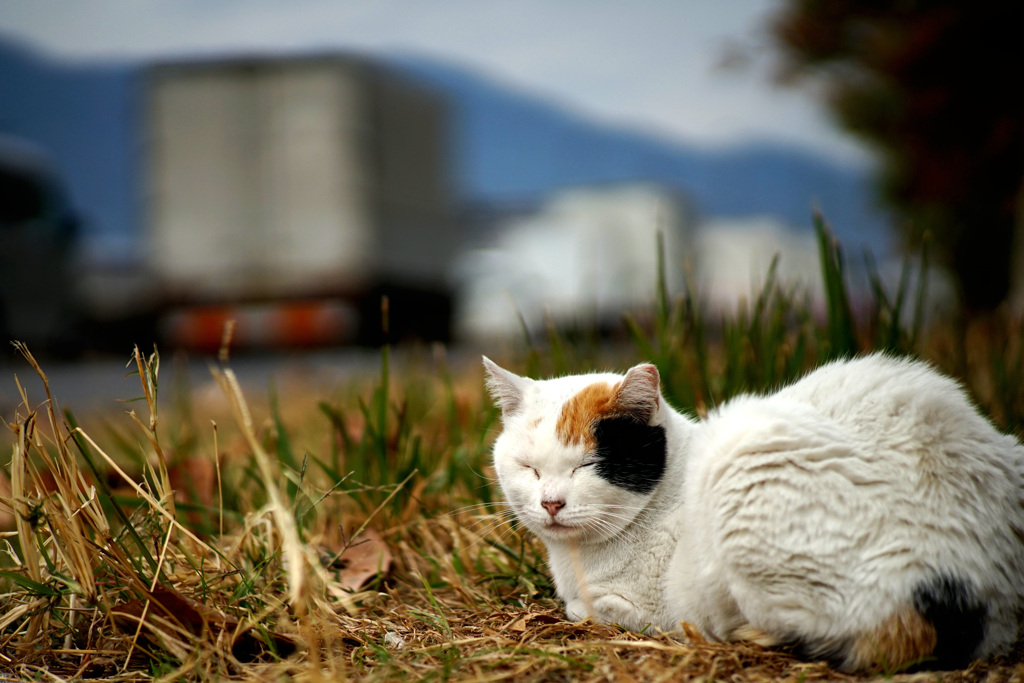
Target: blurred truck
[[39, 304], [291, 194]]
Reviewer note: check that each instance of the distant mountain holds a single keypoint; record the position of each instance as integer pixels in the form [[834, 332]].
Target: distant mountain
[[508, 147], [511, 147]]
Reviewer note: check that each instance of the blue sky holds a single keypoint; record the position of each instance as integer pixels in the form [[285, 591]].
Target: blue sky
[[655, 65]]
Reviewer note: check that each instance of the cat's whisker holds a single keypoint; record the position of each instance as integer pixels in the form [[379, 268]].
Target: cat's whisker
[[489, 524], [506, 533], [485, 528], [475, 507], [495, 519]]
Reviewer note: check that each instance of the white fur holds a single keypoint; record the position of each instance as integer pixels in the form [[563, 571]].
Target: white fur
[[811, 513], [822, 506]]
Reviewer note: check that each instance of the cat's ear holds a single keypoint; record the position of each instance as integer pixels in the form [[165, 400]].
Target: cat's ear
[[506, 387], [639, 394]]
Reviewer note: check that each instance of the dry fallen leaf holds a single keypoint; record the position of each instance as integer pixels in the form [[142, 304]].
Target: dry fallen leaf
[[367, 557], [522, 623], [6, 513], [194, 480], [195, 617]]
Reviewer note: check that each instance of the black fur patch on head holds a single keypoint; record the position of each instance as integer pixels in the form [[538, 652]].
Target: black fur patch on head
[[631, 455], [950, 604]]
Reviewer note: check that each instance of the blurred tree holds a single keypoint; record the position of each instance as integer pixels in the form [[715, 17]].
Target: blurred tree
[[937, 86]]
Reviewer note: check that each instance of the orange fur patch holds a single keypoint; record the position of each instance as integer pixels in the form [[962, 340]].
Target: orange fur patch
[[575, 423], [903, 638]]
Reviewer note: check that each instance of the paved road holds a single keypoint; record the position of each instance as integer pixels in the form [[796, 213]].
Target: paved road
[[103, 384]]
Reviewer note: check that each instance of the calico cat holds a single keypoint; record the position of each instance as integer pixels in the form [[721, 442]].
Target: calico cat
[[866, 514]]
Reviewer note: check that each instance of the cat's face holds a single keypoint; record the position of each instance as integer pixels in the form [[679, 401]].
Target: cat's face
[[578, 457]]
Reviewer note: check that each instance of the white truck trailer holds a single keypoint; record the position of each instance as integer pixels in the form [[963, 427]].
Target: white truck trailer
[[294, 193]]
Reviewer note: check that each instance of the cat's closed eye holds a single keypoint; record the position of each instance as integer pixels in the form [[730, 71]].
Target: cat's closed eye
[[585, 463], [528, 466]]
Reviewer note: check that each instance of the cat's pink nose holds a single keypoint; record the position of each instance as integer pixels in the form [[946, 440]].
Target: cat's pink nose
[[552, 506]]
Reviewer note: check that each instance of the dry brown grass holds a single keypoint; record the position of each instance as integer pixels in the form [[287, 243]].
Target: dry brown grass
[[127, 566]]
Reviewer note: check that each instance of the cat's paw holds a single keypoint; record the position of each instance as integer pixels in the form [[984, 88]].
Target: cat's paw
[[609, 609], [576, 610], [615, 609]]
